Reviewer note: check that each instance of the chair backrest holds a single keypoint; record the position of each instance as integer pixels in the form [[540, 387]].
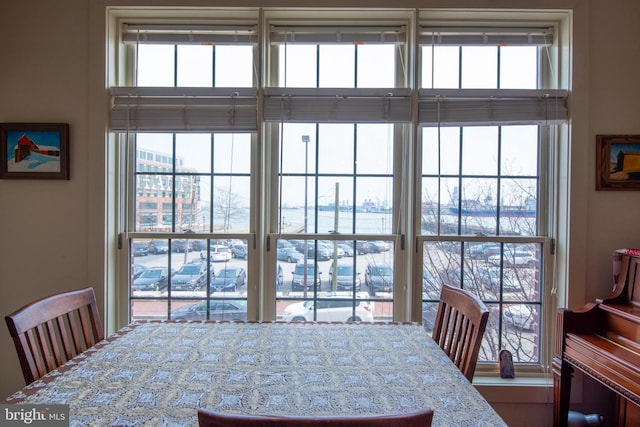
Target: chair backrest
[[207, 418], [459, 327], [50, 331]]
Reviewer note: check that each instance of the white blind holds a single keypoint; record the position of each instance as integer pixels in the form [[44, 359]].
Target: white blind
[[150, 109], [337, 105], [189, 34], [485, 36], [468, 107], [332, 34]]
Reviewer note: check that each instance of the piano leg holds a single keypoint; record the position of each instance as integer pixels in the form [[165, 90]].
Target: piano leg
[[562, 374]]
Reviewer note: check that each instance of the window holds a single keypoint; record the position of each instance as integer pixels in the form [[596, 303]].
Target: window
[[340, 169], [485, 182]]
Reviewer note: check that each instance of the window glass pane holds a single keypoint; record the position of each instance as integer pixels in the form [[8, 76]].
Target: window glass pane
[[518, 67], [234, 66], [375, 149], [479, 67], [156, 65], [334, 139], [441, 150], [337, 66], [480, 150], [230, 204], [519, 150], [297, 65], [518, 210], [232, 153], [376, 66], [443, 71], [193, 151], [195, 65]]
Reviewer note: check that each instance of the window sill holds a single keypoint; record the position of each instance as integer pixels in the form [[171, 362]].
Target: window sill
[[516, 390]]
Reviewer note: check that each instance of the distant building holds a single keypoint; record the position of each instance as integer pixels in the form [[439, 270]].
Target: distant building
[[154, 193]]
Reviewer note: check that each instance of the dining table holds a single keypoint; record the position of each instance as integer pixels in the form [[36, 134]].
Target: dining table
[[158, 373]]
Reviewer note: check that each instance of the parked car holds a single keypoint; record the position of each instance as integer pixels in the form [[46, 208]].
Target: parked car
[[152, 279], [229, 279], [282, 243], [139, 249], [490, 279], [191, 277], [297, 281], [180, 246], [333, 309], [378, 277], [137, 270], [379, 246], [218, 310], [346, 249], [158, 247], [346, 278], [217, 253], [289, 254], [324, 252], [198, 244], [514, 259], [240, 250], [519, 316]]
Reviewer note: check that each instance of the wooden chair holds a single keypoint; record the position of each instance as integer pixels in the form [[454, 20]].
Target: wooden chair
[[459, 327], [52, 330], [207, 418]]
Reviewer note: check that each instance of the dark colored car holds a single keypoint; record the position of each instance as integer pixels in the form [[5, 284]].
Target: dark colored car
[[152, 279], [379, 277], [218, 310], [158, 247], [180, 245], [137, 270], [289, 254], [239, 250], [190, 277], [139, 249], [346, 276], [298, 283], [229, 279]]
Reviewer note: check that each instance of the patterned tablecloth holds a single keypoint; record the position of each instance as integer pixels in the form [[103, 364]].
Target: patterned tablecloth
[[159, 373]]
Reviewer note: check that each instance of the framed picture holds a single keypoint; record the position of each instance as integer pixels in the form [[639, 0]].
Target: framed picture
[[618, 162], [34, 151]]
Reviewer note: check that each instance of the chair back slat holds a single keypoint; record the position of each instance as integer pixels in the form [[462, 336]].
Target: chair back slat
[[52, 330], [459, 327], [208, 418]]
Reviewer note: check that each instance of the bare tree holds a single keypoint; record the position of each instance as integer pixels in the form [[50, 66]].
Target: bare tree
[[227, 205]]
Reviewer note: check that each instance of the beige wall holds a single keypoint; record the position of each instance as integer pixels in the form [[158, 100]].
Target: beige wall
[[52, 233]]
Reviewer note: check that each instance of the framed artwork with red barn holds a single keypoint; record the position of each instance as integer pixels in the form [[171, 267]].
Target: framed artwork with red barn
[[34, 151]]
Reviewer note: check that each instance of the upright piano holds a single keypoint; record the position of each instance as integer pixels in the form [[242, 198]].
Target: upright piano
[[602, 340]]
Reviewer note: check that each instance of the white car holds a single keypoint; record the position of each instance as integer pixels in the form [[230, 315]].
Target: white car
[[217, 253], [331, 309], [519, 316], [515, 259]]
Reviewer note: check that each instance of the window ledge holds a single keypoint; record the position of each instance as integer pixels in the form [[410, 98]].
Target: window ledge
[[516, 390]]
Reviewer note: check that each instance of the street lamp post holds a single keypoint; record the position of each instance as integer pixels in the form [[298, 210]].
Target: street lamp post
[[305, 140]]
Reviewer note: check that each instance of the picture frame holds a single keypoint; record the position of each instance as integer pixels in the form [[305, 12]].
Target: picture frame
[[618, 162], [34, 151]]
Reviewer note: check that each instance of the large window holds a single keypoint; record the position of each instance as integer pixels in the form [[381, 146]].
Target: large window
[[340, 170]]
